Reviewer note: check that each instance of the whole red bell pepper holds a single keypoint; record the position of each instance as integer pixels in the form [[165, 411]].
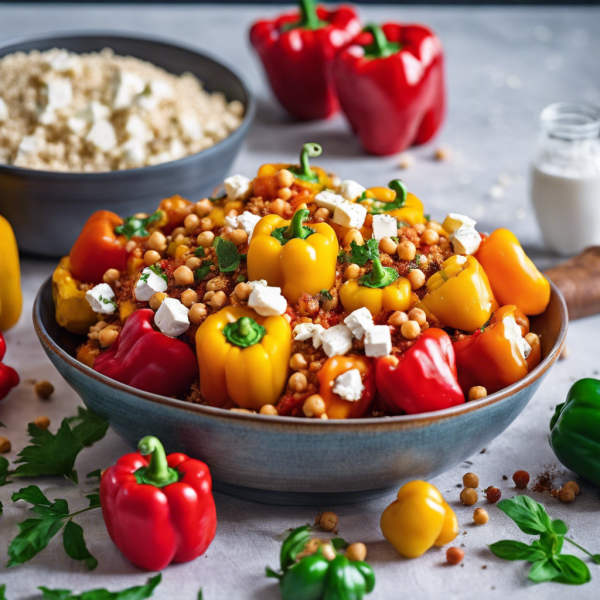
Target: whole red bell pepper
[[147, 359], [98, 248], [390, 84], [422, 379], [161, 511], [9, 378], [297, 51]]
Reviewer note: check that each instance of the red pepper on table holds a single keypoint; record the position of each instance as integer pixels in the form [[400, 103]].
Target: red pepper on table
[[9, 378], [147, 359], [297, 51], [390, 84], [422, 379], [98, 248], [161, 511]]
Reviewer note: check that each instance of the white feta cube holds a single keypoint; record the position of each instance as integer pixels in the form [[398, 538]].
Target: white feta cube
[[513, 333], [102, 135], [309, 331], [76, 125], [231, 221], [126, 87], [153, 93], [134, 152], [27, 147], [62, 62], [256, 282], [248, 221], [329, 200], [177, 149], [378, 341], [238, 187], [350, 215], [267, 301], [148, 284], [172, 317], [384, 226], [58, 93], [465, 240], [3, 111], [337, 340], [137, 129], [351, 190], [349, 385], [453, 221], [359, 321], [93, 111], [190, 127], [102, 299]]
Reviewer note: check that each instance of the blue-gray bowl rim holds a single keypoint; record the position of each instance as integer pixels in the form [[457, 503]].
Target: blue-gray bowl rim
[[408, 421], [140, 37]]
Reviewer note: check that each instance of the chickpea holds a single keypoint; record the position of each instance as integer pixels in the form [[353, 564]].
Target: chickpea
[[285, 178], [435, 226], [188, 298], [480, 516], [352, 272], [388, 245], [521, 479], [298, 382], [298, 362], [477, 392], [183, 275], [468, 496], [314, 406], [203, 207], [151, 257], [181, 251], [354, 235], [156, 300], [493, 494], [131, 245], [328, 521], [419, 228], [42, 422], [191, 222], [193, 262], [279, 207], [178, 231], [418, 315], [205, 239], [111, 276], [356, 552], [239, 237], [410, 330], [219, 300], [572, 485], [44, 389], [108, 336], [416, 278], [284, 193], [406, 250], [208, 296], [226, 232], [321, 214], [197, 313], [398, 318], [430, 237], [206, 224], [268, 409], [566, 495], [243, 290], [454, 555], [157, 241], [5, 445], [470, 480]]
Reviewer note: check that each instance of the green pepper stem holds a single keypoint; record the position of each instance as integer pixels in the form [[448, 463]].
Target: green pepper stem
[[157, 472], [582, 549], [244, 332], [381, 46], [377, 273], [400, 188], [296, 229], [309, 150], [308, 12]]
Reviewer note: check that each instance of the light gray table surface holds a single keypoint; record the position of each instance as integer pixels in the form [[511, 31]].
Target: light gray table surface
[[503, 65]]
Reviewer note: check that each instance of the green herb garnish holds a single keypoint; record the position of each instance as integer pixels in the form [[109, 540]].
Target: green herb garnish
[[134, 227], [227, 255], [200, 252], [156, 270], [240, 279], [325, 294], [360, 255], [203, 270], [548, 564], [106, 301], [139, 592]]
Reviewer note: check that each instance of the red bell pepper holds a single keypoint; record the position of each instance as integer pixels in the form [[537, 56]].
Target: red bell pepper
[[422, 379], [147, 359], [98, 248], [161, 511], [390, 84], [297, 51], [9, 378]]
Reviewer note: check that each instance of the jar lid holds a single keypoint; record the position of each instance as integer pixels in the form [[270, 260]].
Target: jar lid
[[571, 121]]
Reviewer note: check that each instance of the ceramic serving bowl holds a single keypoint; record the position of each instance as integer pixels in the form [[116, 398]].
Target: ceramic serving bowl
[[48, 209], [285, 460]]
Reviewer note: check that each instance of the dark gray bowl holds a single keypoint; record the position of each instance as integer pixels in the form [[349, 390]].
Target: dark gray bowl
[[47, 209], [286, 460]]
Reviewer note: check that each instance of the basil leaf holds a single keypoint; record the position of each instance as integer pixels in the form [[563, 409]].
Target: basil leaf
[[529, 515], [134, 227], [140, 592], [572, 570], [203, 270], [513, 550], [543, 570], [75, 547], [227, 255], [549, 544], [559, 527], [90, 427]]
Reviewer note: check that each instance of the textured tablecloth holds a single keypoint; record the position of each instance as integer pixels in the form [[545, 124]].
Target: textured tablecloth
[[503, 66]]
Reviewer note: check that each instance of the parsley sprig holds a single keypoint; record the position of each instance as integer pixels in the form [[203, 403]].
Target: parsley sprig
[[107, 301], [360, 255], [139, 592], [134, 227], [548, 564], [157, 270], [227, 255], [203, 270]]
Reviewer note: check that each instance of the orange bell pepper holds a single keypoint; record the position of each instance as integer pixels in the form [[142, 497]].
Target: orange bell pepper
[[337, 407], [176, 210], [513, 276]]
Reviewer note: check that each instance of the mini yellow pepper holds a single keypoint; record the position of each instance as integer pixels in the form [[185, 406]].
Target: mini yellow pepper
[[73, 311], [419, 519], [243, 357], [460, 295], [294, 257], [11, 299], [395, 201]]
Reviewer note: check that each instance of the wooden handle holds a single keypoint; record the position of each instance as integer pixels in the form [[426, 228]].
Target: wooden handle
[[579, 281]]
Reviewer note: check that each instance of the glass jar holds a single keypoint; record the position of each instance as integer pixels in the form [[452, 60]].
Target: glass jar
[[565, 177]]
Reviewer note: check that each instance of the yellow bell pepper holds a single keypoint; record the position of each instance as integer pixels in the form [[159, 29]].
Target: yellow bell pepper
[[11, 299], [294, 257], [243, 357], [460, 295], [419, 519], [73, 311], [395, 201], [396, 296]]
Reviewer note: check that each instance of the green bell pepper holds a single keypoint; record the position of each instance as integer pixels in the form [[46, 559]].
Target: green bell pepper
[[575, 430]]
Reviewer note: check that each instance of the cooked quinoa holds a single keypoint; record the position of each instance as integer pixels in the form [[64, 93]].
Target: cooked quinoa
[[61, 111]]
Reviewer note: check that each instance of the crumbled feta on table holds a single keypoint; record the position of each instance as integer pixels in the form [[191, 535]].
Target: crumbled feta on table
[[349, 385], [102, 299], [172, 317]]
